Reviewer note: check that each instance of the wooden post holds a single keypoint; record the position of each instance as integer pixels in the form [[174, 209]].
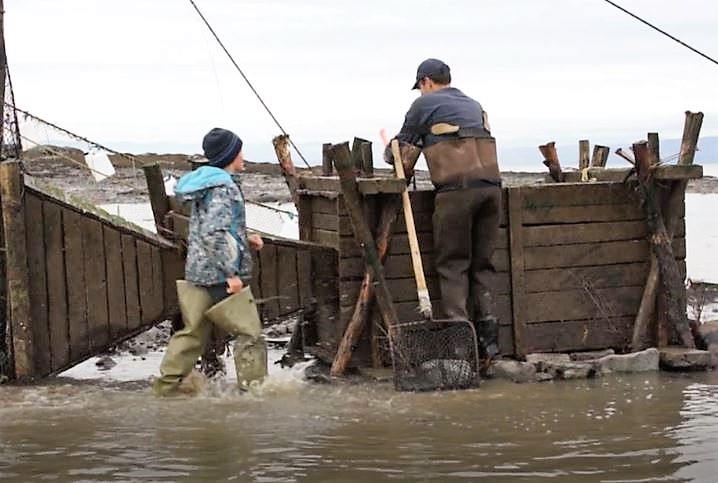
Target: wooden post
[[3, 68], [551, 161], [362, 233], [583, 154], [18, 286], [600, 156], [358, 156], [327, 167], [660, 242], [518, 286], [647, 309], [158, 196], [367, 160], [281, 147], [654, 151]]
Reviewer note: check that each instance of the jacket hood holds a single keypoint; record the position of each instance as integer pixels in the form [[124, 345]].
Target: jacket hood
[[195, 183]]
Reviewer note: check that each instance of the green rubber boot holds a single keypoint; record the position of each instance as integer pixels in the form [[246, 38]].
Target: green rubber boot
[[238, 316], [186, 345]]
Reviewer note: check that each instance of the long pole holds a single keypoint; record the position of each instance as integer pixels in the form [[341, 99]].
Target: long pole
[[3, 70]]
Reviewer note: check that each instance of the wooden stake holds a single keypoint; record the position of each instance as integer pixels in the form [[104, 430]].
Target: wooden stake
[[600, 156], [18, 285], [362, 232], [647, 309], [362, 307], [158, 196], [660, 242], [551, 161], [327, 167], [583, 154], [281, 147]]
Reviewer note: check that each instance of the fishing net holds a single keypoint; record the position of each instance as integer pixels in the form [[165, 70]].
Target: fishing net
[[435, 356]]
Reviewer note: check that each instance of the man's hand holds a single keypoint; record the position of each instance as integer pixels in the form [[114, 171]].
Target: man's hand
[[255, 242], [234, 284]]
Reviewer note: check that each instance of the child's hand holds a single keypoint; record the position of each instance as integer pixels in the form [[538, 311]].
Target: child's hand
[[234, 284], [255, 242]]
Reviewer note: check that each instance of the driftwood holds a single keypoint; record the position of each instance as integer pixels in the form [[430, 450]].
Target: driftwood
[[371, 255], [551, 161], [281, 147], [621, 153], [660, 242]]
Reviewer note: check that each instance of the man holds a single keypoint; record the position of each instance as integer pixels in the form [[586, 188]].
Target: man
[[451, 130], [218, 267]]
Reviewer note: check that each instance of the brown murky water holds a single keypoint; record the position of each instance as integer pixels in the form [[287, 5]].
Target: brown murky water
[[654, 427]]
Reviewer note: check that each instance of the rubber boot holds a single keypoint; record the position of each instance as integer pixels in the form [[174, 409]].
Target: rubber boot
[[238, 316], [250, 360], [488, 332], [186, 345]]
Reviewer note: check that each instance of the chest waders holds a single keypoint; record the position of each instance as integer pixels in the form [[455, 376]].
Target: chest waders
[[237, 315]]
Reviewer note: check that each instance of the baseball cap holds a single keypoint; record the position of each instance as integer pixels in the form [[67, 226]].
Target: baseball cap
[[429, 68]]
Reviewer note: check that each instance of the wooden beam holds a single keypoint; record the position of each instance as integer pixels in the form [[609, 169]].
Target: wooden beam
[[618, 175], [18, 284], [689, 142], [551, 161], [518, 284], [327, 166], [158, 196], [600, 156]]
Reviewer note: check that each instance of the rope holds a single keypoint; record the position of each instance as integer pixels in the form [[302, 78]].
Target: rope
[[248, 82], [662, 31]]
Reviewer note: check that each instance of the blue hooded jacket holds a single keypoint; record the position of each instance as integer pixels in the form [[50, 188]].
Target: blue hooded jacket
[[217, 247]]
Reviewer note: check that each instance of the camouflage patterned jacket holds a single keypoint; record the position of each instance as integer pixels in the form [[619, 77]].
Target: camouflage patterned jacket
[[217, 245]]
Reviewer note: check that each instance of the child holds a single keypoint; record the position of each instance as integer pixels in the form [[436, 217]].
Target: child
[[218, 265]]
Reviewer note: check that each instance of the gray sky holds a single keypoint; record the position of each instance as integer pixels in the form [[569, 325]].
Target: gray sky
[[146, 74]]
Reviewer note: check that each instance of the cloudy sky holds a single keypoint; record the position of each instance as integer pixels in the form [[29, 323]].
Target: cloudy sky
[[145, 75]]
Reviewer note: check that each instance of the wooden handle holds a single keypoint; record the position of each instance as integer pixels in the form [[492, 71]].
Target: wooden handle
[[423, 292]]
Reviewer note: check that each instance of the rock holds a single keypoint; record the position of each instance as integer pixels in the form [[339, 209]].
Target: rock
[[138, 350], [105, 362], [571, 370], [539, 358], [514, 370], [643, 361], [318, 373], [709, 334], [543, 377], [383, 374], [591, 355], [682, 359]]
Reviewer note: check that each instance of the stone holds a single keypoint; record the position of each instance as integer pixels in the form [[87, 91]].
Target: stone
[[513, 370], [105, 363], [643, 361], [709, 333], [383, 374], [539, 358], [591, 355], [683, 359], [570, 370], [543, 377]]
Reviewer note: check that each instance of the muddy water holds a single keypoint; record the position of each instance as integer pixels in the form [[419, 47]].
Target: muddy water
[[638, 428]]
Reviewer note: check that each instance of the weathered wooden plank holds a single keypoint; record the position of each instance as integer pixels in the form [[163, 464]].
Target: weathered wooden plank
[[580, 335], [306, 218], [38, 284], [132, 282], [617, 175], [604, 276], [324, 283], [96, 283], [324, 237], [577, 194], [589, 254], [57, 299], [180, 224], [269, 280], [76, 285], [304, 278], [115, 282], [422, 221], [506, 340], [397, 266], [583, 304], [401, 289], [158, 196], [287, 280], [325, 221], [518, 282], [547, 235], [324, 205], [158, 301], [373, 185], [146, 280], [178, 206], [172, 270], [582, 214]]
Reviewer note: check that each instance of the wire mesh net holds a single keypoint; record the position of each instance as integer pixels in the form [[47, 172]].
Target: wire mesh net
[[10, 145], [435, 355]]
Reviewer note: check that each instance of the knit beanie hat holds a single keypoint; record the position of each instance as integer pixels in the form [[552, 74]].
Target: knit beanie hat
[[221, 147]]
